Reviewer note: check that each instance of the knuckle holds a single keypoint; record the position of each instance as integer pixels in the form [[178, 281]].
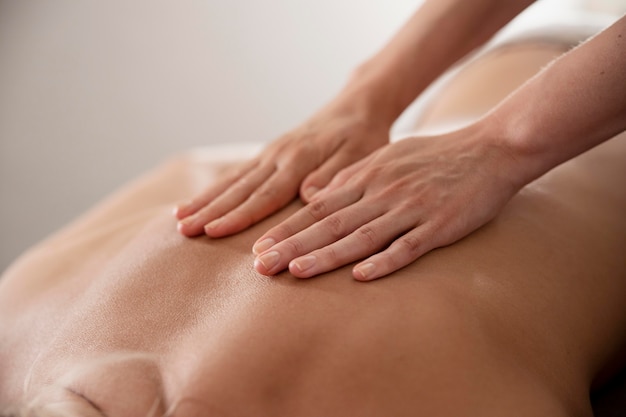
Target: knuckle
[[266, 193], [306, 147], [436, 224], [410, 244], [368, 236], [331, 255], [299, 158], [374, 172], [294, 246], [418, 202], [335, 226], [317, 209], [409, 199]]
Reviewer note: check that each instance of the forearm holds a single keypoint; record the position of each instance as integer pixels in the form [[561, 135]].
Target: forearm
[[574, 104], [437, 35]]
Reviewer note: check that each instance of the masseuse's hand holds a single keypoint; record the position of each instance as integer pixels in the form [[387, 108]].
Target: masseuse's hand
[[393, 206], [304, 161]]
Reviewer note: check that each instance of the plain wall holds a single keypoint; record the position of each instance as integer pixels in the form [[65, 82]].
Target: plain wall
[[92, 93]]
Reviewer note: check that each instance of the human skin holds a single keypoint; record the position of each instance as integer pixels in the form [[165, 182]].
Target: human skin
[[520, 318], [517, 319], [426, 192], [388, 205], [353, 124]]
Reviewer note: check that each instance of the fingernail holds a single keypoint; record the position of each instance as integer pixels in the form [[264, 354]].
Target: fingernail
[[214, 224], [303, 264], [268, 260], [181, 206], [263, 245], [310, 192], [187, 222], [364, 271]]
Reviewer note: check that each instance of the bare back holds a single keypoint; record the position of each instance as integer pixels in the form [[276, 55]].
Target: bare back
[[516, 319]]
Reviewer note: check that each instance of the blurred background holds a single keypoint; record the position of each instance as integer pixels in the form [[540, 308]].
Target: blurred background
[[92, 93]]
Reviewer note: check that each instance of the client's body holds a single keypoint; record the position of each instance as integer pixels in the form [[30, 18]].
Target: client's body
[[518, 319]]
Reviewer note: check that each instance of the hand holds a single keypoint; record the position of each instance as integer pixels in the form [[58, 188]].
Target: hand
[[397, 204], [304, 160]]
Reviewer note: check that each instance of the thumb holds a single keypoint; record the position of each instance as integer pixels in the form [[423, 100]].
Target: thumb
[[318, 179], [322, 176], [314, 183]]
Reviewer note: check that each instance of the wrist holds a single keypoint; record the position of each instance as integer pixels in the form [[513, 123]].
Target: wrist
[[522, 163], [376, 96]]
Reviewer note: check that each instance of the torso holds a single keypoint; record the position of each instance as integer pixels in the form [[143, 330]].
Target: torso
[[530, 304]]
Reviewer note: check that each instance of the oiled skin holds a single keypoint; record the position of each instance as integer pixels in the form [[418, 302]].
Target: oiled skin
[[517, 319]]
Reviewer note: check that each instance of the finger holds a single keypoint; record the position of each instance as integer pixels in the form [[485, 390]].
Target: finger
[[186, 209], [370, 238], [233, 196], [320, 178], [273, 195], [305, 217], [400, 253], [268, 198], [328, 231], [342, 178]]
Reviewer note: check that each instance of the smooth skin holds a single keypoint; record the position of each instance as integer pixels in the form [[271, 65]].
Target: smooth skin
[[407, 198], [351, 126], [305, 159], [118, 315], [429, 191], [426, 192]]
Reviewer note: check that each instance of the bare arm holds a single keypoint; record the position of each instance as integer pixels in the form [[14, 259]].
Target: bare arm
[[422, 193], [354, 124], [576, 103], [439, 33]]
